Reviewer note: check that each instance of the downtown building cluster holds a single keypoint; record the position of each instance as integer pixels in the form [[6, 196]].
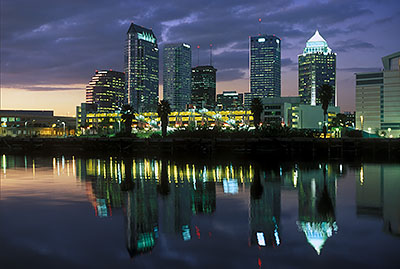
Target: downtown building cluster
[[188, 88]]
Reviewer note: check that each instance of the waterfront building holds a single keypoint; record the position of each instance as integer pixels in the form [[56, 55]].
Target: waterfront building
[[278, 110], [378, 99], [177, 75], [95, 121], [230, 100], [291, 112], [265, 66], [204, 86], [311, 117], [141, 69], [317, 66], [106, 90], [35, 123]]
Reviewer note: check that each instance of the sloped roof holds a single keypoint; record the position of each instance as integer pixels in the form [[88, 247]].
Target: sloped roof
[[316, 37], [134, 28]]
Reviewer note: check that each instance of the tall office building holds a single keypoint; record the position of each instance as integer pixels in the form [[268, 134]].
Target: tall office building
[[204, 86], [177, 75], [265, 66], [106, 90], [378, 98], [317, 66], [141, 68]]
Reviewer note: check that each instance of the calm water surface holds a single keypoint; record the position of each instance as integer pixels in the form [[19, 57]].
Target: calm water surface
[[145, 213]]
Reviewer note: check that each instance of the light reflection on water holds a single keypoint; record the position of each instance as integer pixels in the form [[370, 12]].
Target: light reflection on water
[[161, 202]]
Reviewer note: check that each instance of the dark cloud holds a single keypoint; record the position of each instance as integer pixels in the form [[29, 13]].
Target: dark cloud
[[230, 74], [359, 69], [351, 44]]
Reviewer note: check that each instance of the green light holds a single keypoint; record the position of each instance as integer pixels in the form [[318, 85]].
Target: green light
[[147, 37]]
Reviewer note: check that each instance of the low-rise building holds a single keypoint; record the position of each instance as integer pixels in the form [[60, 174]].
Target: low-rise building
[[230, 100], [35, 123]]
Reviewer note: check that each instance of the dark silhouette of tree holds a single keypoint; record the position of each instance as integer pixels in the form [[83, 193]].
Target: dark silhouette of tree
[[256, 109], [164, 188], [127, 118], [325, 94], [163, 109], [339, 120], [128, 183], [324, 203]]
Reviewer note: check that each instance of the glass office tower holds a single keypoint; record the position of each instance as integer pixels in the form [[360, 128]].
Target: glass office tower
[[204, 85], [317, 66], [177, 75], [106, 90], [141, 69], [265, 66]]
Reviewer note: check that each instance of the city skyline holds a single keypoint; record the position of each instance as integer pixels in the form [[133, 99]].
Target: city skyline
[[50, 51]]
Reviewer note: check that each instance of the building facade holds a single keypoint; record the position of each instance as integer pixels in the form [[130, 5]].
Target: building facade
[[204, 86], [141, 68], [177, 78], [230, 100], [317, 66], [378, 99], [291, 112], [265, 66], [106, 90]]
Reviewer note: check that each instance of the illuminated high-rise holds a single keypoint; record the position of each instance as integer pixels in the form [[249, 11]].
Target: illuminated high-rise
[[265, 66], [204, 86], [317, 66], [141, 68], [106, 90], [177, 75]]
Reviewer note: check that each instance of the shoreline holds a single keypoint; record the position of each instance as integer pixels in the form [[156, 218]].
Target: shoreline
[[369, 149]]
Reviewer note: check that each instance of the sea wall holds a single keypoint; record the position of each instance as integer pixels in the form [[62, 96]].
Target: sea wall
[[259, 148]]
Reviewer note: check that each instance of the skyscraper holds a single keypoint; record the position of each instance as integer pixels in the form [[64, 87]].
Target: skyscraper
[[204, 86], [265, 66], [141, 68], [177, 75], [106, 90], [317, 66]]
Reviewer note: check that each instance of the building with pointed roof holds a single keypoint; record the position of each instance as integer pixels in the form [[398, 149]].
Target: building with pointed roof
[[317, 66], [141, 69]]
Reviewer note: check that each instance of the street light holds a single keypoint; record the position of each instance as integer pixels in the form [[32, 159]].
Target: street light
[[389, 130], [63, 123]]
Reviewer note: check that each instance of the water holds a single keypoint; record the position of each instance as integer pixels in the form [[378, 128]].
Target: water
[[144, 213]]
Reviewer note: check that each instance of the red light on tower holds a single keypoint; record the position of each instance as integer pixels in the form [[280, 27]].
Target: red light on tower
[[198, 46], [259, 19]]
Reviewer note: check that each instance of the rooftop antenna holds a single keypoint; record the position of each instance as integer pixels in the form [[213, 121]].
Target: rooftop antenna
[[259, 26], [198, 55], [210, 54]]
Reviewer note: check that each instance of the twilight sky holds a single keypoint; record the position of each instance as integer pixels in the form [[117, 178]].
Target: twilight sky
[[50, 49]]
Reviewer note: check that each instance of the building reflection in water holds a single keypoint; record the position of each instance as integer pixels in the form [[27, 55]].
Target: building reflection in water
[[265, 208], [377, 194], [317, 204]]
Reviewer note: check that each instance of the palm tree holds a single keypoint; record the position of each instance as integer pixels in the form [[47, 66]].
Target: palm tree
[[256, 108], [127, 118], [325, 94], [163, 109]]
